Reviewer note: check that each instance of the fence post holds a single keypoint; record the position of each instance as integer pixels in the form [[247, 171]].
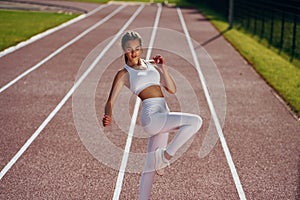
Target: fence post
[[262, 31], [282, 30], [272, 28], [230, 14], [294, 38], [255, 23]]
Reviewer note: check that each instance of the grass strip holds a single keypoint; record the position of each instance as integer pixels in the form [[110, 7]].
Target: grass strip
[[278, 72], [17, 26]]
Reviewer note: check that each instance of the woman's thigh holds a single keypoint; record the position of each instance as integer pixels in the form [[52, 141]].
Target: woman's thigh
[[169, 121]]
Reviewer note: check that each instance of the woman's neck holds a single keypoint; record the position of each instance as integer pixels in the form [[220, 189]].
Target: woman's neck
[[136, 66]]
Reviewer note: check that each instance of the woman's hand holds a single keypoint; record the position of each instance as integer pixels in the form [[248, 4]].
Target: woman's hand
[[158, 59], [167, 81], [106, 120]]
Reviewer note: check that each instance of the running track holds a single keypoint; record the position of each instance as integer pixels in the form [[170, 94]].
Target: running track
[[43, 157]]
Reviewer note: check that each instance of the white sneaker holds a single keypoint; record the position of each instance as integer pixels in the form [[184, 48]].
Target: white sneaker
[[160, 162]]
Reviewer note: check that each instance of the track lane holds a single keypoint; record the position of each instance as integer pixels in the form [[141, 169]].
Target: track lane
[[213, 112]]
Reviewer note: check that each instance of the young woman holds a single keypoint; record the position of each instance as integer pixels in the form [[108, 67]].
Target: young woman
[[146, 80]]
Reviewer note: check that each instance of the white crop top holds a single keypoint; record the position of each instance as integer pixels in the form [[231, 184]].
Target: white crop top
[[142, 78]]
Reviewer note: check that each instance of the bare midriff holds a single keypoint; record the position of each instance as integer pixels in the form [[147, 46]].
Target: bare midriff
[[151, 92]]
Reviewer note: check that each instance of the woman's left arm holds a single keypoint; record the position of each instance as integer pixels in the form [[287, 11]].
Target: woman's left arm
[[168, 81]]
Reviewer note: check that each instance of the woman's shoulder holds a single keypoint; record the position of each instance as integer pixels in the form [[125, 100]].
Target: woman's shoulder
[[121, 74], [122, 71]]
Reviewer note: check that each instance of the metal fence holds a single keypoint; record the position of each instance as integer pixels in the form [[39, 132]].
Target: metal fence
[[278, 22], [275, 21]]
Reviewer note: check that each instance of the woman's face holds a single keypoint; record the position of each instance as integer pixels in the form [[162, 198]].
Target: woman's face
[[133, 51]]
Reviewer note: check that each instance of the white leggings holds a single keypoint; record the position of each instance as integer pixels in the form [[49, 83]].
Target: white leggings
[[157, 121]]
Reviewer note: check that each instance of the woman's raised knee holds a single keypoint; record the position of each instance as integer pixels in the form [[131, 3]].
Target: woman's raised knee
[[197, 122]]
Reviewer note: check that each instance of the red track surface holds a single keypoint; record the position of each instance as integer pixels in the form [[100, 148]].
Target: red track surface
[[261, 134]]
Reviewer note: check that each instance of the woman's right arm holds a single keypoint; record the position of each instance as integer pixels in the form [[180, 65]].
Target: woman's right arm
[[117, 85]]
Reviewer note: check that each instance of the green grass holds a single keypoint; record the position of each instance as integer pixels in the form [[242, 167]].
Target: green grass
[[264, 35], [278, 72], [17, 26]]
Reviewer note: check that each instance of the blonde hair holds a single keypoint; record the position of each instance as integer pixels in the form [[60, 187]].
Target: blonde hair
[[130, 35]]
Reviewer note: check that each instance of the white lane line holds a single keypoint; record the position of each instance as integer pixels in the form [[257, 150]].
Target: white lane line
[[62, 48], [48, 32], [213, 112], [119, 183], [68, 95]]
